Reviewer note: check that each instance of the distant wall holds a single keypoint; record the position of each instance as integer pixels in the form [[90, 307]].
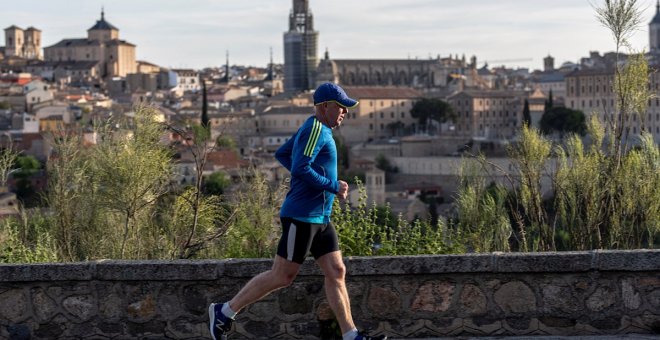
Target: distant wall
[[598, 292]]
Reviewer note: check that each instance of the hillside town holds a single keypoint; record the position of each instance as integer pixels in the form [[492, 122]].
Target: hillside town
[[405, 163]]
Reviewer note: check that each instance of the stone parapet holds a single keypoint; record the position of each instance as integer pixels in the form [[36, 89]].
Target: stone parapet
[[558, 293]]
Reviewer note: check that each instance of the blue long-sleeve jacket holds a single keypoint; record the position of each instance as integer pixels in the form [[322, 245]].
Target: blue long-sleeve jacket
[[311, 157]]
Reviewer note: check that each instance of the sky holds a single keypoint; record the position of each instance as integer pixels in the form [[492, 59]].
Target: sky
[[199, 33]]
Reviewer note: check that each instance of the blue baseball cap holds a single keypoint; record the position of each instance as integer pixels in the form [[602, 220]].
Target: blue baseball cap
[[330, 92]]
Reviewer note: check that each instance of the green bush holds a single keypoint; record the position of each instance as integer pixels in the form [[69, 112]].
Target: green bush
[[367, 231], [26, 240]]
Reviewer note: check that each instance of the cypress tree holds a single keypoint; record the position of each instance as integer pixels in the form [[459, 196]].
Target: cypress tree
[[205, 108], [548, 103], [527, 117]]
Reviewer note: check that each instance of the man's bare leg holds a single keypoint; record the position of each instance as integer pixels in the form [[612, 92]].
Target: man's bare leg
[[334, 271], [279, 276]]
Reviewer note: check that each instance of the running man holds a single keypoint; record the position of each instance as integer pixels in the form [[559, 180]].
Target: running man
[[311, 157]]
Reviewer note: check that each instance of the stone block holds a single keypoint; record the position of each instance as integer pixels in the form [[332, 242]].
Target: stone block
[[434, 296], [560, 300], [602, 298], [82, 271], [421, 264], [143, 309], [483, 326], [111, 307], [295, 299], [550, 262], [473, 300], [50, 330], [152, 327], [43, 306], [515, 297], [81, 307], [181, 270], [557, 322], [384, 303], [14, 306], [630, 297], [628, 260]]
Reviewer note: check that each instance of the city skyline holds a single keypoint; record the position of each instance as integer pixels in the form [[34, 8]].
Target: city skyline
[[174, 34]]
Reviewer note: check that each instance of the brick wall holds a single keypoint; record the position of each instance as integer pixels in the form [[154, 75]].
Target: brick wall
[[569, 293]]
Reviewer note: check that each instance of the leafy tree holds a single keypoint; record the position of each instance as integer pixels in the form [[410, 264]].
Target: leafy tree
[[563, 120], [133, 170], [26, 165], [5, 105], [395, 128], [24, 168], [226, 142], [383, 163], [216, 183], [527, 117], [425, 109]]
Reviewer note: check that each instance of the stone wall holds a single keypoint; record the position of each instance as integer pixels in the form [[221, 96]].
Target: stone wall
[[571, 293]]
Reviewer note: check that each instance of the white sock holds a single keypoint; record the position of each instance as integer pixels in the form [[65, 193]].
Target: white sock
[[350, 335], [226, 310]]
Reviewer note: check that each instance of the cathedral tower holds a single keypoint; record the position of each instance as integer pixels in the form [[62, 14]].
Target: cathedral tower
[[300, 48]]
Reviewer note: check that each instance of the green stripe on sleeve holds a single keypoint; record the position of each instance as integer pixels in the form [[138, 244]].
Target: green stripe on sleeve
[[313, 139]]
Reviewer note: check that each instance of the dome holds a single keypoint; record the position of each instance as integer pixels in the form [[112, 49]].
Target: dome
[[102, 24]]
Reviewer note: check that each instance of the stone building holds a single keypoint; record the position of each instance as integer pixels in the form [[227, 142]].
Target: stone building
[[115, 57], [383, 112], [416, 73], [487, 115], [22, 43], [276, 124]]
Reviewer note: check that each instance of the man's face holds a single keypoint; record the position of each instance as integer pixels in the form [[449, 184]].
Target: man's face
[[335, 113]]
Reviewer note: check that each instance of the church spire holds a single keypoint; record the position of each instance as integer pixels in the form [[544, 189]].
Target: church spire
[[102, 13], [271, 71], [227, 68]]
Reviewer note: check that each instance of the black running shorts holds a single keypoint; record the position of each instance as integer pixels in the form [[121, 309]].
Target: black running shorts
[[299, 238]]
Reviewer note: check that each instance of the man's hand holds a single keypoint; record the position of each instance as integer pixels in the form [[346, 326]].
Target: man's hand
[[343, 190]]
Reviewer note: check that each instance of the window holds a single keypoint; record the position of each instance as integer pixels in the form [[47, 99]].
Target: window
[[403, 115], [371, 115], [371, 126], [392, 115], [382, 115]]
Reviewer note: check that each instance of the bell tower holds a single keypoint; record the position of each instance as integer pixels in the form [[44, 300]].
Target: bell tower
[[300, 48]]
